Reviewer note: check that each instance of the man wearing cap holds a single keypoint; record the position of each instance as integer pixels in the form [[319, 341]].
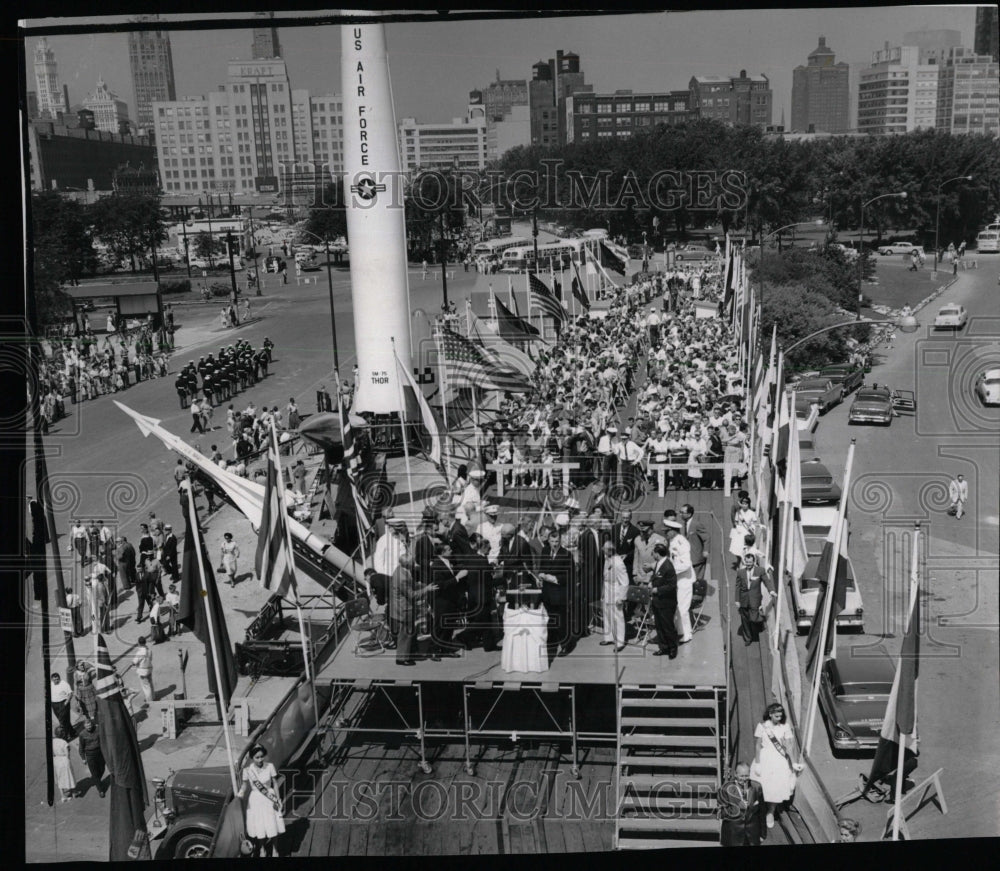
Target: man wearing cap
[[680, 556], [664, 601], [491, 530], [472, 500]]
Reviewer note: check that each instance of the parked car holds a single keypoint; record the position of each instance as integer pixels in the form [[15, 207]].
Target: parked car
[[849, 252], [695, 251], [818, 484], [988, 387], [847, 376], [821, 391], [899, 248], [816, 526], [871, 405], [951, 317], [853, 695]]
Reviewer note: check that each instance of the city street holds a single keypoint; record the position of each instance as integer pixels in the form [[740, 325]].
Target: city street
[[901, 475]]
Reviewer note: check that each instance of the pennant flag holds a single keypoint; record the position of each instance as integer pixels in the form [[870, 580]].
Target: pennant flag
[[512, 327], [900, 723], [128, 837], [727, 281], [578, 290], [502, 354], [511, 297], [782, 437], [426, 413], [797, 552], [542, 297], [830, 553], [195, 588], [273, 561], [467, 366], [611, 259]]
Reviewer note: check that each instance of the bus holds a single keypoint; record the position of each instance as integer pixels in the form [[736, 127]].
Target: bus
[[496, 247], [988, 241], [561, 254]]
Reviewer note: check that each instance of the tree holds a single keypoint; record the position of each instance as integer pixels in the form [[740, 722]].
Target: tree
[[63, 252], [130, 225], [328, 213], [827, 272], [798, 311], [206, 246]]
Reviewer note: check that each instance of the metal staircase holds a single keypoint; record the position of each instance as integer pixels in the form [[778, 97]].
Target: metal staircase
[[669, 766]]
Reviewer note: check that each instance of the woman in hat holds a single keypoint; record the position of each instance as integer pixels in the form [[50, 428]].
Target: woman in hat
[[230, 554]]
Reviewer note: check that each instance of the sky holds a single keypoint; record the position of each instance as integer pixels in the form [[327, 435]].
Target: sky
[[435, 64]]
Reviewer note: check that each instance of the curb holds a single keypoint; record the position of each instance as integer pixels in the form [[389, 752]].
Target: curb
[[927, 300]]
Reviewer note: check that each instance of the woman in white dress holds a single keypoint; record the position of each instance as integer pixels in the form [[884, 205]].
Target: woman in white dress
[[62, 766], [264, 821], [230, 554], [772, 765], [744, 524]]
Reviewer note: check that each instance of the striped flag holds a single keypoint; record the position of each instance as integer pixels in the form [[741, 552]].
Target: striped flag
[[830, 552], [542, 298], [513, 327], [273, 561], [466, 365], [128, 836], [578, 289], [611, 259], [796, 548], [511, 297], [501, 353]]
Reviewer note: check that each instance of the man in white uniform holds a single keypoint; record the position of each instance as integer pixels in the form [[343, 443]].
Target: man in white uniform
[[490, 530], [680, 556], [472, 500], [389, 547], [613, 598]]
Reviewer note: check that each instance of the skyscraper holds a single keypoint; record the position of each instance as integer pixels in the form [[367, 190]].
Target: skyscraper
[[110, 111], [152, 68], [51, 97], [821, 93], [265, 40], [987, 39]]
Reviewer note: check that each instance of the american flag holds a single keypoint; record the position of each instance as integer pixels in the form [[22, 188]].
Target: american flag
[[544, 299], [466, 366], [352, 460], [273, 561]]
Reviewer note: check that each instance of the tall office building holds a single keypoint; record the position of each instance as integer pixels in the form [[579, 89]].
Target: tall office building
[[110, 111], [968, 93], [152, 68], [498, 100], [552, 84], [603, 116], [265, 40], [51, 95], [821, 93], [739, 99], [458, 145], [987, 38]]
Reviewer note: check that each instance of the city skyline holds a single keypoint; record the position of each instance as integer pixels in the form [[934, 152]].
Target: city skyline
[[663, 50]]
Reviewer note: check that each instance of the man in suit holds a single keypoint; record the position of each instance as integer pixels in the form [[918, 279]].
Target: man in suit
[[664, 602], [169, 560], [699, 537], [483, 627], [751, 580], [558, 593], [457, 534], [445, 601], [126, 563], [623, 536], [510, 559], [522, 543], [741, 804], [423, 546], [589, 570]]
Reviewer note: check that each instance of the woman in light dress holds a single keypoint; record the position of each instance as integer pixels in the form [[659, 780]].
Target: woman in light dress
[[230, 554], [744, 524], [62, 765], [264, 821], [772, 765]]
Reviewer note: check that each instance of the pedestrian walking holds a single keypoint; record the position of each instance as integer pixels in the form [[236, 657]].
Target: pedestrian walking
[[78, 541], [90, 753], [83, 689], [143, 589], [97, 600], [196, 419], [754, 589], [126, 563], [169, 551], [230, 554], [292, 410], [143, 662], [958, 492], [61, 763], [75, 605], [60, 694], [773, 768], [741, 803]]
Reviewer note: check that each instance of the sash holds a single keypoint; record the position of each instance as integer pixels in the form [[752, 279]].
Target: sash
[[265, 791], [777, 744]]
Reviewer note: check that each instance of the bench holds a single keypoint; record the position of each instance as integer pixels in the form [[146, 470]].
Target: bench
[[499, 468], [662, 468], [239, 710]]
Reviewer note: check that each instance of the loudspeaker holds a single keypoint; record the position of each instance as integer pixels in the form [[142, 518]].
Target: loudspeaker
[[273, 658]]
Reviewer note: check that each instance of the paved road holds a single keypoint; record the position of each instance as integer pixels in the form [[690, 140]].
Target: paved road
[[901, 475]]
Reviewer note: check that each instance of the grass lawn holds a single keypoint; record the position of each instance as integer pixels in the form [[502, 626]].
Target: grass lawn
[[897, 286]]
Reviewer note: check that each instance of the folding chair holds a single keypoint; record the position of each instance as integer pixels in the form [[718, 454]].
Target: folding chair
[[360, 618], [642, 596]]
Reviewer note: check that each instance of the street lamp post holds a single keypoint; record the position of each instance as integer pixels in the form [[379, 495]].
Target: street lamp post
[[333, 315], [187, 251], [444, 265], [232, 270], [905, 324], [937, 216], [861, 243], [253, 247]]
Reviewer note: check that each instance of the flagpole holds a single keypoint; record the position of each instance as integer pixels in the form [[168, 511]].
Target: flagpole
[[786, 530], [357, 517], [493, 308], [510, 294], [831, 576], [901, 757], [306, 643], [211, 640], [402, 420], [475, 407], [444, 400]]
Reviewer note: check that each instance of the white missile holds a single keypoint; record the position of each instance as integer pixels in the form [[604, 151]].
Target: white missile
[[376, 227], [248, 497]]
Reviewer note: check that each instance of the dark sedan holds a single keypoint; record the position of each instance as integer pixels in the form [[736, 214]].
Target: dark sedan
[[821, 391], [818, 484], [871, 405], [847, 376], [853, 694]]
